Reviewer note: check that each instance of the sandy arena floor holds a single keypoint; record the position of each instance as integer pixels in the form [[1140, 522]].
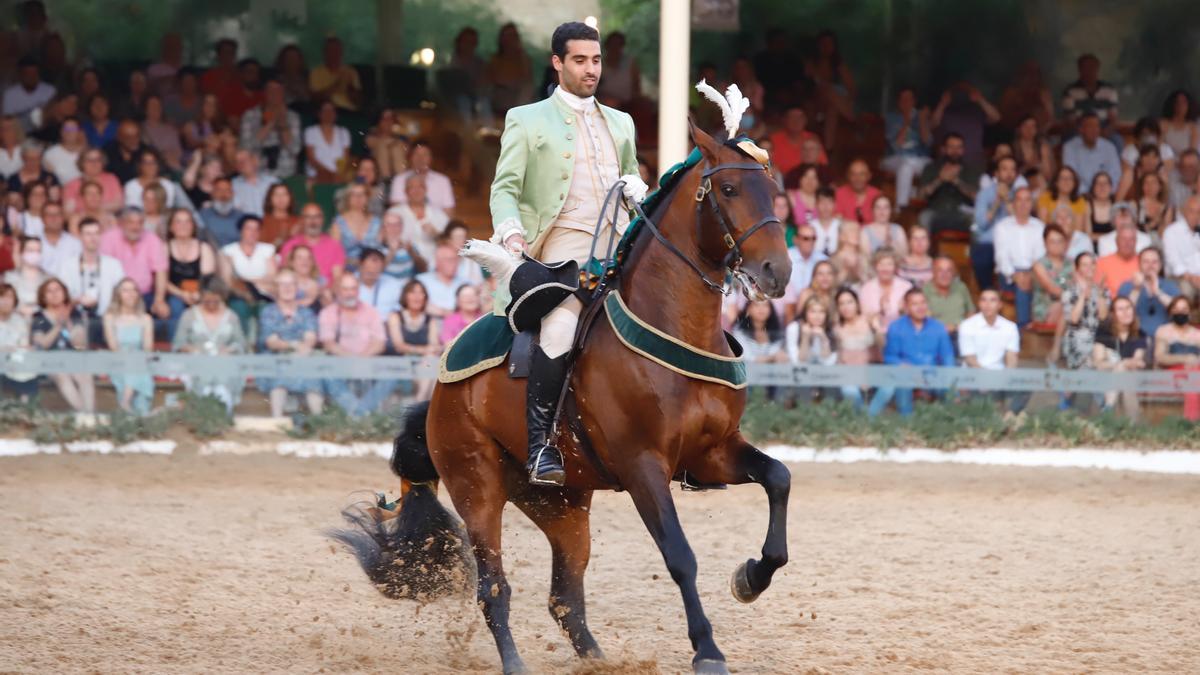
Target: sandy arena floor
[[117, 564]]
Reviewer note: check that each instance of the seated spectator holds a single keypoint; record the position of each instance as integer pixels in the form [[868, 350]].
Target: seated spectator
[[91, 207], [161, 135], [143, 257], [883, 296], [1154, 210], [1019, 245], [1147, 133], [131, 104], [272, 132], [992, 205], [1085, 307], [833, 82], [908, 140], [403, 260], [856, 338], [759, 331], [949, 187], [785, 143], [947, 297], [963, 111], [62, 159], [1051, 275], [31, 170], [826, 222], [10, 146], [184, 104], [509, 73], [204, 132], [1099, 217], [91, 276], [989, 341], [223, 74], [248, 266], [1183, 181], [221, 216], [311, 287], [810, 340], [854, 199], [28, 92], [388, 145], [91, 169], [412, 331], [125, 152], [1177, 347], [327, 251], [288, 327], [190, 261], [57, 244], [442, 281], [1089, 95], [823, 288], [438, 190], [1064, 191], [160, 75], [211, 328], [149, 173], [1149, 292], [14, 336], [1117, 268], [98, 126], [366, 172], [467, 308], [802, 184], [848, 259], [30, 204], [1181, 246], [129, 328], [60, 326], [246, 94], [423, 222], [915, 339], [27, 275], [351, 327], [280, 221], [374, 287], [455, 236], [250, 186], [334, 80], [881, 232], [1178, 122], [1030, 148], [154, 209], [292, 73], [202, 171], [1088, 154], [804, 257], [355, 227], [1123, 217], [327, 147], [1121, 346], [917, 266]]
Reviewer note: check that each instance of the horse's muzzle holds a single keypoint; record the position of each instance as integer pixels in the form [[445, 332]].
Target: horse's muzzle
[[772, 276]]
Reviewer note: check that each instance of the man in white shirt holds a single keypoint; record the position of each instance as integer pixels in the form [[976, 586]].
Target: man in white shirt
[[423, 230], [57, 245], [989, 341], [1122, 217], [27, 94], [90, 277], [442, 281], [805, 257], [1019, 245], [250, 187], [437, 185], [1181, 246], [375, 288]]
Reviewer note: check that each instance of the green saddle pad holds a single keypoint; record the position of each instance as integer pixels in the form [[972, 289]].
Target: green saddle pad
[[482, 345]]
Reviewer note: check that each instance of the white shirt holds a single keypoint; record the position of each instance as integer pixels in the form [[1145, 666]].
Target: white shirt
[[134, 192], [827, 241], [53, 255], [438, 190], [327, 154], [62, 163], [17, 101], [1018, 246], [424, 242], [1131, 152], [10, 162], [802, 271], [818, 344], [250, 197], [99, 286], [1181, 249], [988, 343], [253, 266], [1107, 244], [384, 296]]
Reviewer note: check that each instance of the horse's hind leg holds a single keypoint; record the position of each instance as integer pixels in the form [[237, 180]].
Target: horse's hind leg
[[562, 515]]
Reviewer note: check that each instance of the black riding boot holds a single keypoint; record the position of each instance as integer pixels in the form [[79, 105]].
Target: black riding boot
[[545, 463]]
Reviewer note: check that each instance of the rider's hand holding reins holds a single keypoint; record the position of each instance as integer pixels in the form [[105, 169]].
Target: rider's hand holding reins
[[635, 188]]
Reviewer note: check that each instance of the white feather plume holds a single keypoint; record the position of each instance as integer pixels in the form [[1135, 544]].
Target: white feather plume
[[732, 104], [494, 258]]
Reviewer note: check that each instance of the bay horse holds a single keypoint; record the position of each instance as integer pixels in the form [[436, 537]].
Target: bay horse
[[644, 423]]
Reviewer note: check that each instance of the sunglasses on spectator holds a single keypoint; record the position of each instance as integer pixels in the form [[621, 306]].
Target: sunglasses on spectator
[[807, 238]]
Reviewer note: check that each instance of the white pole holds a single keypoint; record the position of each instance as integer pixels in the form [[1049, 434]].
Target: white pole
[[674, 58]]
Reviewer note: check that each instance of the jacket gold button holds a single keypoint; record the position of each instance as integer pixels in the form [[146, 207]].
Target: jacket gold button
[[570, 137], [570, 120], [565, 175], [561, 196], [566, 155]]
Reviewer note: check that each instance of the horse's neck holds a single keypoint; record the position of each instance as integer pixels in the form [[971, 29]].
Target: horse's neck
[[665, 292]]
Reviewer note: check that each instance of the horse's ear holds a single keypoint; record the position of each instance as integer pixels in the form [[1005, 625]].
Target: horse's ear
[[708, 145]]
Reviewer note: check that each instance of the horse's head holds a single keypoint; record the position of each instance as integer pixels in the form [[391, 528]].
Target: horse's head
[[738, 228]]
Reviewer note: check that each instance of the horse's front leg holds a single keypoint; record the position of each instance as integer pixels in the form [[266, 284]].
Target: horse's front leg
[[649, 486], [737, 463]]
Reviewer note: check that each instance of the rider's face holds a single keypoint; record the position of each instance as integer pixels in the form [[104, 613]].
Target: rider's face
[[579, 71]]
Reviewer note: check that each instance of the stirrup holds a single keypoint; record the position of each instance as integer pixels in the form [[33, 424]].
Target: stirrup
[[554, 476], [689, 484]]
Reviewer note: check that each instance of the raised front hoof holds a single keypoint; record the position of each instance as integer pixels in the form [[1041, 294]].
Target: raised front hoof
[[709, 667], [740, 584]]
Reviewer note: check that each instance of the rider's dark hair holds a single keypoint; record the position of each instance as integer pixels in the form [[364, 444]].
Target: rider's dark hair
[[572, 30]]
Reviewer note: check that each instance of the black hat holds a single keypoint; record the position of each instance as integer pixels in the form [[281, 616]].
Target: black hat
[[536, 289]]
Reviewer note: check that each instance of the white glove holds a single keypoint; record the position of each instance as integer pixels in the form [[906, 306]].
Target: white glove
[[635, 188]]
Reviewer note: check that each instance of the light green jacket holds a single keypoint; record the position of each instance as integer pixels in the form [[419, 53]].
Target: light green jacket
[[536, 164]]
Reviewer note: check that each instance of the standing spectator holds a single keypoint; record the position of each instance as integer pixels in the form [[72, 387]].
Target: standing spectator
[[403, 261], [1149, 292], [273, 132], [509, 72], [1100, 207], [311, 287], [881, 232], [1121, 347], [184, 105], [804, 257], [1123, 217], [622, 81], [221, 216], [128, 328], [223, 75], [91, 206], [27, 276], [190, 262], [786, 143], [802, 193], [949, 186], [91, 276], [10, 146], [834, 84], [143, 257], [91, 168], [947, 296], [126, 151], [328, 252], [1089, 154], [1181, 244], [14, 336], [1051, 275], [60, 326], [856, 337], [438, 189], [202, 171], [1089, 95], [1019, 246], [250, 186], [1064, 191], [414, 332], [327, 146], [810, 341], [442, 281], [28, 93], [355, 227], [1030, 148], [1120, 267], [161, 74], [915, 339], [989, 341], [992, 205], [292, 72], [374, 287], [470, 95], [854, 199], [62, 159], [288, 327], [883, 296], [423, 221], [280, 221], [467, 308], [1085, 306], [333, 80], [1178, 123], [917, 265], [248, 266], [826, 222], [908, 140], [1177, 347], [964, 112], [351, 327], [211, 328], [162, 135], [99, 128]]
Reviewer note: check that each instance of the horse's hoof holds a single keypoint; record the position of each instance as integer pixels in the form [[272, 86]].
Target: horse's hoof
[[740, 584], [709, 667]]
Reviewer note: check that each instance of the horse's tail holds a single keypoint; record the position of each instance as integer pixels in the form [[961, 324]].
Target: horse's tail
[[423, 552]]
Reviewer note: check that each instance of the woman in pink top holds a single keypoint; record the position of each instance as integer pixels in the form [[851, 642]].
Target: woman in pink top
[[91, 168], [883, 297], [804, 193], [467, 308]]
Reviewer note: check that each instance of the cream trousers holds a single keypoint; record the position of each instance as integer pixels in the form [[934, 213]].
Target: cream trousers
[[558, 327]]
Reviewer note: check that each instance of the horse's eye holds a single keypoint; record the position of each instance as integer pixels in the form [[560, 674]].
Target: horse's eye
[[728, 190]]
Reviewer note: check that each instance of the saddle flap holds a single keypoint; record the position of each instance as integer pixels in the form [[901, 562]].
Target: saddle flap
[[521, 354]]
